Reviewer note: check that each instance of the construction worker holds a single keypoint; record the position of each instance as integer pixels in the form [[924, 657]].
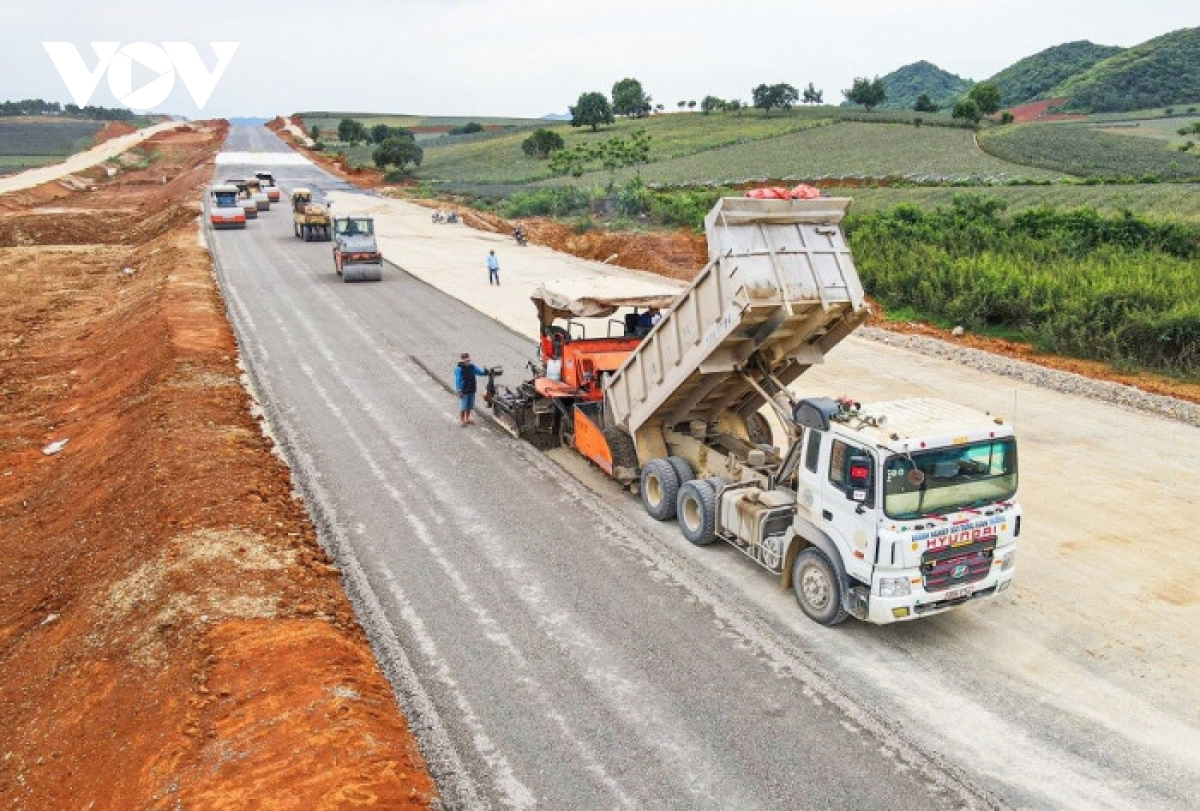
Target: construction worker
[[465, 386]]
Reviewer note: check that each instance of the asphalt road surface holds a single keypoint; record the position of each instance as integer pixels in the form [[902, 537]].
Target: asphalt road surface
[[554, 647]]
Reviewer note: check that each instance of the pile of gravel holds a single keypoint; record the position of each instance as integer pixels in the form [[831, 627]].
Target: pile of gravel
[[1065, 382]]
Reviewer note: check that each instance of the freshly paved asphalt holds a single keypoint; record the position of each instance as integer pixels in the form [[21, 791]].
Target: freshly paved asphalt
[[549, 650]]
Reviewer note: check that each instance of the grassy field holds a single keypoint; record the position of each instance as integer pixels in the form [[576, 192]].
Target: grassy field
[[1085, 150]]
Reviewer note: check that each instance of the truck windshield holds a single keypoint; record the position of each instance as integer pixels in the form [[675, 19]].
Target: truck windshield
[[362, 228], [226, 199], [948, 479]]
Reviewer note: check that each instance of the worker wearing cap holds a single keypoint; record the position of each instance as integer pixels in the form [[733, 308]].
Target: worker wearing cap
[[465, 386]]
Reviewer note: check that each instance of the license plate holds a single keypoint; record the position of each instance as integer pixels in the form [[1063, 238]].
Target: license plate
[[955, 594]]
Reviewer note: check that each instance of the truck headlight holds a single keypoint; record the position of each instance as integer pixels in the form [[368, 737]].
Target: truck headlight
[[1009, 562], [894, 587]]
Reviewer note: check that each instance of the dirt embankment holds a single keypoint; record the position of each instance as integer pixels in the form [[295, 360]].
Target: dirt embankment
[[362, 177], [171, 634], [113, 129]]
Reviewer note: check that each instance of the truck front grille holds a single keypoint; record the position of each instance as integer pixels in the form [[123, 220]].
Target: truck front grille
[[956, 566]]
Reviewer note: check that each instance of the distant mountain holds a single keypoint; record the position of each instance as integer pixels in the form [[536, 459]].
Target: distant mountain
[[1160, 72], [1034, 77], [556, 117], [905, 84]]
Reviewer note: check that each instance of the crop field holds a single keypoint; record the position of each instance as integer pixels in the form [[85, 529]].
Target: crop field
[[328, 121], [1085, 151], [28, 143], [844, 150], [1165, 201], [56, 138]]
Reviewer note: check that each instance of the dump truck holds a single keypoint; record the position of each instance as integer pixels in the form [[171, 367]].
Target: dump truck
[[224, 209], [310, 221], [266, 181], [356, 257], [885, 512]]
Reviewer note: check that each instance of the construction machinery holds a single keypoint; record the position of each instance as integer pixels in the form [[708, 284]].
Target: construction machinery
[[255, 191], [885, 512], [267, 182], [247, 203], [224, 210], [356, 257], [310, 221]]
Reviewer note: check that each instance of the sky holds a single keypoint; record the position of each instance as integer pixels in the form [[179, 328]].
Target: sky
[[528, 58]]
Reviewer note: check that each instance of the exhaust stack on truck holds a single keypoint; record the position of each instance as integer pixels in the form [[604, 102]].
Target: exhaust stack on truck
[[885, 512]]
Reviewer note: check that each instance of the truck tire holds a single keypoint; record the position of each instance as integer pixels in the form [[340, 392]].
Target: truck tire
[[697, 511], [683, 468], [817, 588], [659, 489]]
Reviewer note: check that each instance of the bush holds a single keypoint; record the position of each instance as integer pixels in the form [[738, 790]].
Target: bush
[[467, 129], [542, 143], [552, 202]]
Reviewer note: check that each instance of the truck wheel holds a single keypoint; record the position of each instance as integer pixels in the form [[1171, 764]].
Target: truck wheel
[[697, 510], [659, 489], [683, 468], [817, 588]]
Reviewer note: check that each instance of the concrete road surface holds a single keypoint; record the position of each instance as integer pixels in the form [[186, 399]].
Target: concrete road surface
[[554, 646]]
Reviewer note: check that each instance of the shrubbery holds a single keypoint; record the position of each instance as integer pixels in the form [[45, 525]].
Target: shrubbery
[[1120, 289]]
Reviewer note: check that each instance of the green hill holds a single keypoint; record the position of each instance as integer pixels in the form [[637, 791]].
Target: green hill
[[1035, 76], [1160, 72], [906, 83]]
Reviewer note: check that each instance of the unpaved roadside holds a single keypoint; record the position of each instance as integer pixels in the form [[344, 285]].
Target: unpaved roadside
[[171, 633]]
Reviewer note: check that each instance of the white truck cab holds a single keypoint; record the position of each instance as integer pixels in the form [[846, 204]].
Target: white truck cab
[[916, 497]]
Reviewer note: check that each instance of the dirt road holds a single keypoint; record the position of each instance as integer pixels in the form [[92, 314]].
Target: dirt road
[[171, 634]]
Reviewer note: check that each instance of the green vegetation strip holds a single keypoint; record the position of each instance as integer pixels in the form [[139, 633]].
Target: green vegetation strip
[[1118, 289]]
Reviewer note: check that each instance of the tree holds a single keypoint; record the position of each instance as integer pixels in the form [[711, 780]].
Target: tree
[[812, 95], [681, 104], [315, 132], [776, 95], [692, 104], [925, 104], [398, 152], [866, 92], [658, 108], [542, 144], [735, 106], [379, 133], [591, 110], [629, 99], [351, 131], [986, 96], [711, 103], [967, 111]]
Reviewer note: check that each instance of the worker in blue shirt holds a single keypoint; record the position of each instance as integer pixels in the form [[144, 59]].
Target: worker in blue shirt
[[465, 386]]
